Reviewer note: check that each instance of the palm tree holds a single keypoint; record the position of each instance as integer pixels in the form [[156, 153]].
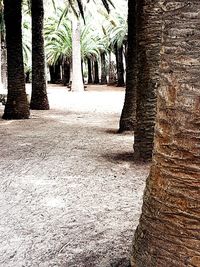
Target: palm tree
[[128, 116], [39, 98], [17, 104], [168, 233], [149, 42]]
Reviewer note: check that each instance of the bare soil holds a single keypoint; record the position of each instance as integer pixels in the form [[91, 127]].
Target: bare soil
[[70, 193]]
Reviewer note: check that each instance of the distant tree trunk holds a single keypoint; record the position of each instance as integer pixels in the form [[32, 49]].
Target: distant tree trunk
[[27, 75], [120, 66], [4, 73], [17, 105], [39, 98], [90, 81], [66, 72], [128, 116], [149, 44], [103, 68], [96, 72], [168, 233], [112, 75], [77, 78], [52, 74]]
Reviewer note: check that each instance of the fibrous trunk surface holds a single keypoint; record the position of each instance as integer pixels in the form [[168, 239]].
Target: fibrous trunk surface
[[168, 233]]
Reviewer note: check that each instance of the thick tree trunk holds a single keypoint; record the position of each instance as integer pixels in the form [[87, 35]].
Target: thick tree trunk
[[39, 98], [96, 72], [128, 116], [149, 43], [17, 104], [120, 66], [77, 78], [103, 68], [168, 233], [66, 72]]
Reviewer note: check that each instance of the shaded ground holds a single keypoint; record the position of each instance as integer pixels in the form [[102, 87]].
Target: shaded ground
[[70, 193]]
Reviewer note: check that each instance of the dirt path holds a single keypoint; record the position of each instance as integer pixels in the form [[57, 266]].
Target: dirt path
[[70, 193]]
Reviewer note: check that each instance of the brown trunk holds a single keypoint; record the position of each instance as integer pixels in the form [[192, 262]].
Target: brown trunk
[[17, 104], [169, 230], [128, 116], [120, 66], [89, 70], [103, 68], [39, 98], [96, 72], [149, 43], [66, 72]]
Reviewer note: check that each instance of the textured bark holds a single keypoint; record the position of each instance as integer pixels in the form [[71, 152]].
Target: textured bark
[[96, 72], [39, 98], [17, 104], [77, 77], [66, 72], [149, 43], [89, 71], [128, 116], [103, 68], [168, 233], [120, 66]]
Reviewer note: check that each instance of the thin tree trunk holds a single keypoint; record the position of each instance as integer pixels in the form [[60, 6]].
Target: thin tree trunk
[[112, 76], [168, 233], [66, 72], [103, 68], [4, 73], [96, 72], [77, 78], [39, 98], [128, 116], [149, 43], [120, 67], [17, 105], [52, 74], [90, 81]]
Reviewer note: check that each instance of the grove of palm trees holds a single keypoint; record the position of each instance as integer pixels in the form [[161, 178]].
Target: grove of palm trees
[[100, 133]]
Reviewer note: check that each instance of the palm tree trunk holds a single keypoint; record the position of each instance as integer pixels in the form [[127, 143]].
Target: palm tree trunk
[[120, 66], [89, 71], [149, 43], [77, 78], [39, 98], [96, 72], [128, 116], [17, 104], [112, 76], [168, 233], [103, 68], [66, 72]]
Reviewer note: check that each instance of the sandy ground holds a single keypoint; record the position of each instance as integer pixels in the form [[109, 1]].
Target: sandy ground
[[70, 193]]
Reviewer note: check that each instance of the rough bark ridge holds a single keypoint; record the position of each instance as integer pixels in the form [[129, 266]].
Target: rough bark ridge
[[17, 104], [39, 98], [149, 43], [103, 68], [127, 120], [168, 233]]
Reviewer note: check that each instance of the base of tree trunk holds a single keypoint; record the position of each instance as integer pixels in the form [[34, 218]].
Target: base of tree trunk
[[42, 106], [15, 116], [126, 126]]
